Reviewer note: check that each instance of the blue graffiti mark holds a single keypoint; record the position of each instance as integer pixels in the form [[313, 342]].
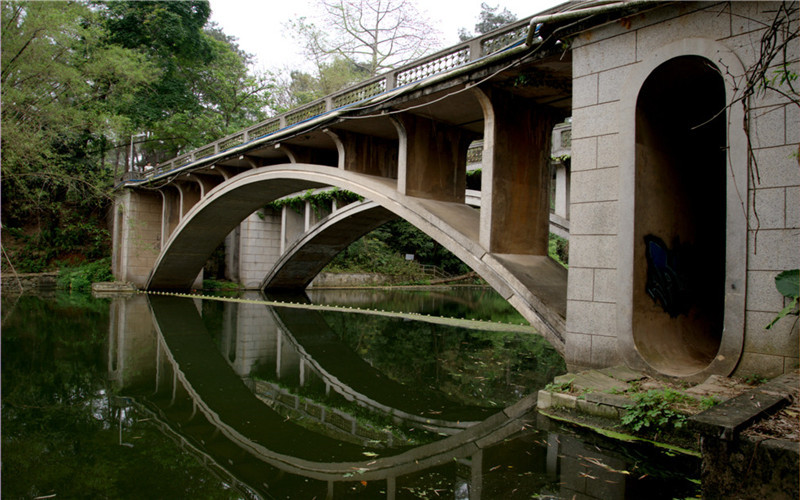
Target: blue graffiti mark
[[667, 281]]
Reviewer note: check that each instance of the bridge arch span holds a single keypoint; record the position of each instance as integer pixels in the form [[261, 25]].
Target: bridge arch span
[[530, 283], [307, 256]]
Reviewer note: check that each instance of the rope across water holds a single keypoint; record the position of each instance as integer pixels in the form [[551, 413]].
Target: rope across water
[[472, 324]]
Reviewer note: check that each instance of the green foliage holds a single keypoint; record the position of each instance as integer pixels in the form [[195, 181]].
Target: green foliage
[[211, 284], [653, 410], [303, 88], [788, 283], [489, 19], [558, 249], [79, 79], [80, 279], [754, 379], [320, 201]]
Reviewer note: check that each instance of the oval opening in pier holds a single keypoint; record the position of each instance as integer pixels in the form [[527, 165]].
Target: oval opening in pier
[[680, 216]]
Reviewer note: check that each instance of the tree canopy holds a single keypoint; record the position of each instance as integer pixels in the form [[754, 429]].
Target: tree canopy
[[488, 19], [372, 35], [80, 80]]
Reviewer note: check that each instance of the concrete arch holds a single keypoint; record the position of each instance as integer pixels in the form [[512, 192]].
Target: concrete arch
[[305, 258], [731, 337], [454, 225]]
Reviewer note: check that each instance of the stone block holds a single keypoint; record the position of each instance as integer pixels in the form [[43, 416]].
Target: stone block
[[584, 154], [544, 400], [584, 91], [580, 283], [593, 218], [792, 120], [764, 365], [777, 167], [607, 54], [594, 251], [792, 217], [563, 400], [595, 185], [611, 84], [705, 23], [768, 127], [604, 349], [770, 205], [622, 372], [761, 292], [592, 318], [594, 381], [608, 151], [595, 120], [605, 285], [777, 250], [577, 348], [597, 409], [780, 340]]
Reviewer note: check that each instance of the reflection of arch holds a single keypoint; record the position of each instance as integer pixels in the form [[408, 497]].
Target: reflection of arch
[[531, 283], [356, 380], [678, 183], [220, 396]]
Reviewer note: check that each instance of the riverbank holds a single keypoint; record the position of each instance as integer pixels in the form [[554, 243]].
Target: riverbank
[[747, 435]]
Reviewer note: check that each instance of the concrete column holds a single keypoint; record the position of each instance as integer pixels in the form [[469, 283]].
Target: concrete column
[[190, 196], [292, 227], [170, 212], [233, 254], [515, 201], [432, 159], [259, 246], [137, 235], [562, 190]]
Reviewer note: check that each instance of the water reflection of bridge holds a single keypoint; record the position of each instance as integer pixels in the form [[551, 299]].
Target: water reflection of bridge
[[174, 369]]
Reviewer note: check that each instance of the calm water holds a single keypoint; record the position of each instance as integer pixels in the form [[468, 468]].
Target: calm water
[[166, 397]]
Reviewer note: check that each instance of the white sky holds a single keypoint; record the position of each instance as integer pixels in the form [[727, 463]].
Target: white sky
[[259, 24]]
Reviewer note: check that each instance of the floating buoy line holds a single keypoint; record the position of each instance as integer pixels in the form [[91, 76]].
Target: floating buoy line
[[472, 324]]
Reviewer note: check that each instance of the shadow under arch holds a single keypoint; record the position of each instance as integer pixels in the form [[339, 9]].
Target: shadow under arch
[[534, 285], [223, 399]]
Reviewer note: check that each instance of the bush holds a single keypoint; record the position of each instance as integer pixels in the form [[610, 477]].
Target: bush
[[653, 410], [81, 278]]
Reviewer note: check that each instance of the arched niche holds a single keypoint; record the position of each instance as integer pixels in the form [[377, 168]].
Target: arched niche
[[682, 224]]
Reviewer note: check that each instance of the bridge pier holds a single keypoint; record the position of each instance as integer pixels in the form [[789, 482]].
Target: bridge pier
[[515, 185], [137, 235]]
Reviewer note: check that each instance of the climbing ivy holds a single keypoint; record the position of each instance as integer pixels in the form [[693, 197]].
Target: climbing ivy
[[319, 200]]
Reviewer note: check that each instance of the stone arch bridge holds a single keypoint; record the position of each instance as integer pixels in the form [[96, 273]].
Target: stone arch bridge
[[659, 189]]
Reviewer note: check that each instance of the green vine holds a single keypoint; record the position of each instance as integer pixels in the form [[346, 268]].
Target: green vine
[[320, 201]]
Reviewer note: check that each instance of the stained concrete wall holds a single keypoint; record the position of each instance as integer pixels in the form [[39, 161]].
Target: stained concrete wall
[[137, 235], [609, 65], [259, 246]]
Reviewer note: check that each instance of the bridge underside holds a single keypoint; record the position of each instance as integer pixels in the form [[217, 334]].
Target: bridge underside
[[407, 153], [534, 284]]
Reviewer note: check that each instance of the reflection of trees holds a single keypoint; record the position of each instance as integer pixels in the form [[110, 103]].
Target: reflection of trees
[[475, 368], [60, 432]]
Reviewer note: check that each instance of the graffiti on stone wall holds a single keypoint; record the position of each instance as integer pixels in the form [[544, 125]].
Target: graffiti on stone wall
[[667, 275]]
